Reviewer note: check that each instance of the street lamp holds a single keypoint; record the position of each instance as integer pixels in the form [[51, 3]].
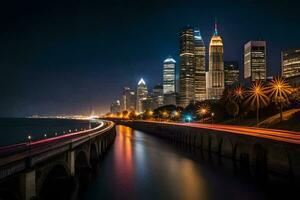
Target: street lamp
[[165, 114], [279, 90], [29, 142], [212, 118], [257, 97], [203, 112], [150, 113], [175, 115], [189, 118]]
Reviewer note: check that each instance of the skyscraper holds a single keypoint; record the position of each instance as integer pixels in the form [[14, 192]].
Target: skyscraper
[[187, 67], [232, 73], [169, 75], [125, 98], [129, 99], [255, 61], [200, 81], [290, 63], [115, 107], [215, 74], [141, 95]]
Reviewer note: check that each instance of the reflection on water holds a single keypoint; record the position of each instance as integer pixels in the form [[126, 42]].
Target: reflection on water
[[140, 166], [145, 167], [122, 163]]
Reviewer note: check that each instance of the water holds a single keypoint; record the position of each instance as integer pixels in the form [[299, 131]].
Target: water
[[16, 130], [140, 166]]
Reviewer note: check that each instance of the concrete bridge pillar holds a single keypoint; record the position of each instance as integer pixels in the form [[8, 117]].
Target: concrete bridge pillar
[[28, 184], [71, 162]]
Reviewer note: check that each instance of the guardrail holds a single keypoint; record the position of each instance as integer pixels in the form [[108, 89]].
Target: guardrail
[[19, 151]]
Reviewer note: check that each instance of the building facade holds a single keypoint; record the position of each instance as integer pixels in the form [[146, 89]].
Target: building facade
[[232, 73], [200, 79], [170, 98], [169, 75], [255, 62], [157, 96], [115, 107], [215, 74], [141, 95], [187, 67], [129, 99], [290, 63]]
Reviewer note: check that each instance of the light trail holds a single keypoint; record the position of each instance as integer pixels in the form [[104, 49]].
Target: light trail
[[273, 134], [75, 135]]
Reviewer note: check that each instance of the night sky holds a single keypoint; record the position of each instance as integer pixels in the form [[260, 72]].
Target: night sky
[[71, 57]]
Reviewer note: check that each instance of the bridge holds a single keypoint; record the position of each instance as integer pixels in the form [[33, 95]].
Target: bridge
[[27, 169], [264, 152]]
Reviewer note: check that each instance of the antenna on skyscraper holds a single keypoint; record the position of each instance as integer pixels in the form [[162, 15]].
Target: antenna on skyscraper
[[216, 27]]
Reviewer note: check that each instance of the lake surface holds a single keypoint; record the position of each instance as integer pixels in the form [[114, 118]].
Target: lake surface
[[140, 166], [16, 130]]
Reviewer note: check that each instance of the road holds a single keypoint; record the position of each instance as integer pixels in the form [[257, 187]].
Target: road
[[273, 134], [32, 145]]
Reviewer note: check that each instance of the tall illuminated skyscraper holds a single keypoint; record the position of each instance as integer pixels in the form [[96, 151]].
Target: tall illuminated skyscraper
[[141, 95], [255, 61], [169, 75], [187, 67], [290, 63], [200, 82], [215, 74]]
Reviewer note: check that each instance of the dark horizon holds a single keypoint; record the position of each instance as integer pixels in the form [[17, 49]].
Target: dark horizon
[[67, 58]]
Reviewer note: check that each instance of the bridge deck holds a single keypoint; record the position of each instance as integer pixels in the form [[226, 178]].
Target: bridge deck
[[19, 151]]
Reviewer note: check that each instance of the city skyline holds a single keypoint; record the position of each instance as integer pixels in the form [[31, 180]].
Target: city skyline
[[149, 99], [66, 79]]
